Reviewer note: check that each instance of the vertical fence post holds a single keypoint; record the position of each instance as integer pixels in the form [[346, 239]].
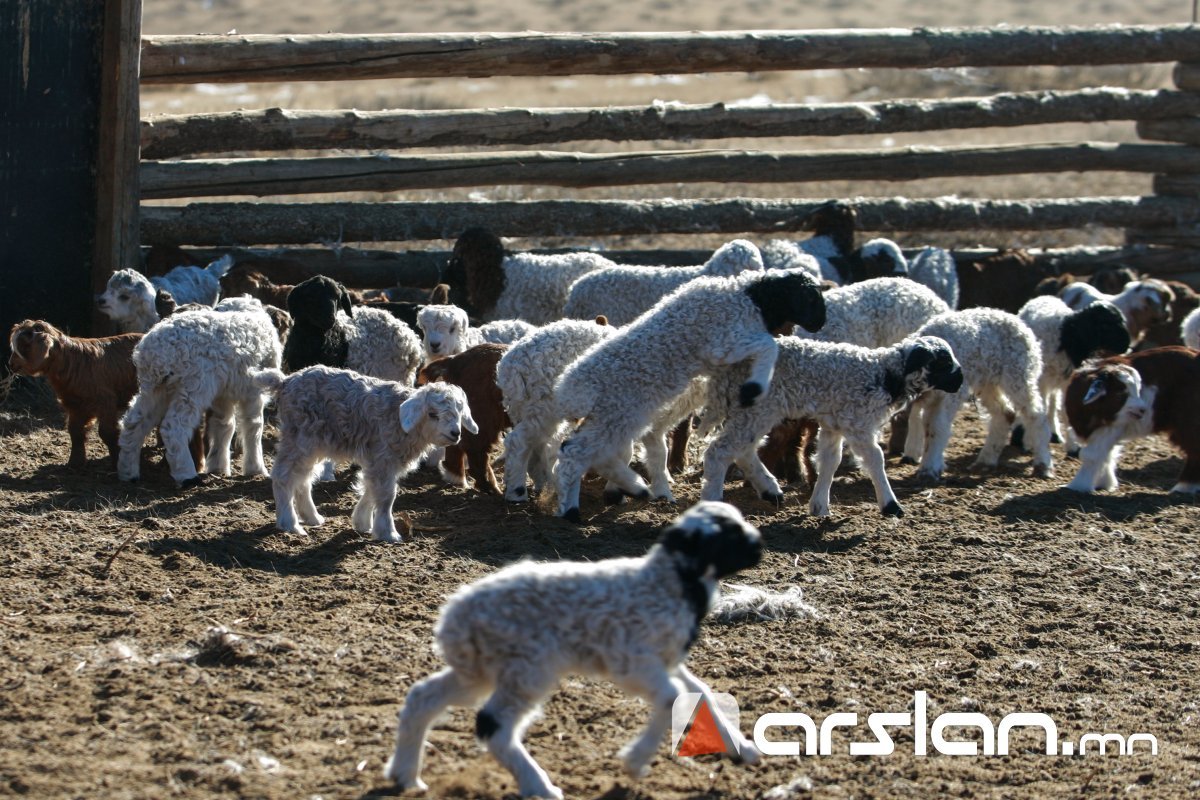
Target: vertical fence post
[[1183, 130], [118, 161]]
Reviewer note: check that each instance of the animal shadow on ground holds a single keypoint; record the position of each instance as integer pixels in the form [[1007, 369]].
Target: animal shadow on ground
[[1050, 505], [244, 550]]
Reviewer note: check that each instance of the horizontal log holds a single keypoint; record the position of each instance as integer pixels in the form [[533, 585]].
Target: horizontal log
[[1177, 185], [279, 129], [1181, 237], [229, 224], [1183, 130], [386, 173], [1187, 76], [375, 268], [237, 58]]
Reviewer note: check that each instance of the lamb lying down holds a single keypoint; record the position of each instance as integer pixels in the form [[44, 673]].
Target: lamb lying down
[[515, 634]]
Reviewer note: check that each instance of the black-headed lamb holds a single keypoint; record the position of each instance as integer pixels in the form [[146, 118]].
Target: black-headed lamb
[[849, 391], [619, 385], [512, 636]]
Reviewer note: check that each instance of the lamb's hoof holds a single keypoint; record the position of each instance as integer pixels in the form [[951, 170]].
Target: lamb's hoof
[[1043, 471], [892, 509], [389, 537], [191, 483], [1071, 487], [1073, 453], [748, 393], [774, 498], [572, 515], [933, 476], [519, 494], [909, 460], [1055, 439], [613, 497], [665, 498], [644, 494]]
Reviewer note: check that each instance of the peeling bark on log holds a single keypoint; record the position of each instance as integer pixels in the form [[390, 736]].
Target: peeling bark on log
[[229, 224], [279, 129], [215, 59], [280, 176]]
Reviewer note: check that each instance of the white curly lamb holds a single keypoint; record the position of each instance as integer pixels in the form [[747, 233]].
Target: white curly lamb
[[384, 426], [493, 285], [850, 391], [188, 364], [1189, 330], [619, 386], [1068, 338], [1001, 360], [876, 312], [526, 376], [129, 297], [446, 331], [622, 293], [512, 636]]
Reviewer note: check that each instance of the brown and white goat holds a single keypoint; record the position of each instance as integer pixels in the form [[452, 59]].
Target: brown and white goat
[[93, 379], [474, 370], [1129, 397]]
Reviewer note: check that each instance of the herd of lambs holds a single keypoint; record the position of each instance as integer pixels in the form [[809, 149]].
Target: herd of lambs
[[583, 362], [579, 365]]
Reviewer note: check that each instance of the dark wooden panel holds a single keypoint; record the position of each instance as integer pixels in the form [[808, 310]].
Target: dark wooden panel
[[50, 76]]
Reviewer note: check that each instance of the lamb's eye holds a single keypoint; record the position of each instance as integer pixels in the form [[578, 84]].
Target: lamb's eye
[[453, 329], [433, 415], [123, 296]]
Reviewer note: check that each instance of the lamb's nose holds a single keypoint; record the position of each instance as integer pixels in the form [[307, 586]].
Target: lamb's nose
[[454, 434]]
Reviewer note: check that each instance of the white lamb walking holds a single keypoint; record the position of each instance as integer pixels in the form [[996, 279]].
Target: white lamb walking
[[1002, 362], [190, 363], [511, 637], [849, 391]]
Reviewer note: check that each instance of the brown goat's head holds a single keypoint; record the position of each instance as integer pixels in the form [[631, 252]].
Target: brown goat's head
[[32, 342]]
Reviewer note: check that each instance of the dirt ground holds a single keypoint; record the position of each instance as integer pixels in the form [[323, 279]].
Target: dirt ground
[[995, 593]]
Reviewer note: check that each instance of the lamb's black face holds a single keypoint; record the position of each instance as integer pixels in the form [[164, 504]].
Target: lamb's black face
[[715, 539], [1095, 331], [931, 362], [791, 298], [317, 300]]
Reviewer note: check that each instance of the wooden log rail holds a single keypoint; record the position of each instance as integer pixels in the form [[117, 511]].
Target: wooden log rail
[[195, 59], [377, 268], [279, 129], [245, 224], [387, 173]]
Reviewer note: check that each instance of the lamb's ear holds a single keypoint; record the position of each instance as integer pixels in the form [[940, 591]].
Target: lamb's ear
[[468, 422], [1097, 390], [411, 411], [145, 295], [918, 357], [344, 301], [679, 539]]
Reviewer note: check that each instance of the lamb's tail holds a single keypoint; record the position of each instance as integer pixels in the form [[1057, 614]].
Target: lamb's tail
[[269, 380], [221, 266]]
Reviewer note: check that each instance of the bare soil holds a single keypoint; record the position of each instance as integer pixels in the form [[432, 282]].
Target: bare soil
[[995, 593]]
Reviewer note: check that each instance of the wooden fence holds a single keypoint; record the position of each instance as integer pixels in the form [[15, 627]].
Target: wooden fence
[[180, 153]]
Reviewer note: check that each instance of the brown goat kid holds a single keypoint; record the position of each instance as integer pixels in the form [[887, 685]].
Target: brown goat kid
[[93, 379], [475, 371], [1128, 397], [1006, 280]]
